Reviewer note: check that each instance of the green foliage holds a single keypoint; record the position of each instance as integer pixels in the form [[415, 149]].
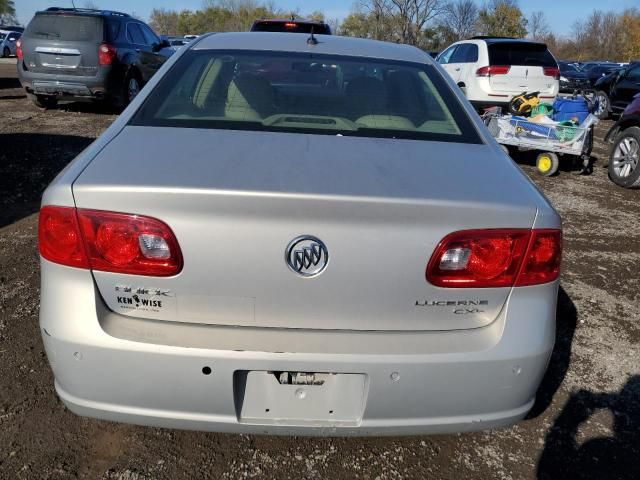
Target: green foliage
[[7, 7], [502, 18]]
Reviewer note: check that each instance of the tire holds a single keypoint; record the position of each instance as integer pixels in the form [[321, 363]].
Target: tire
[[6, 52], [547, 163], [129, 90], [44, 101], [603, 105], [624, 159]]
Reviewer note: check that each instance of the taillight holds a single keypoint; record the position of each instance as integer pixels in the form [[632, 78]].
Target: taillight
[[19, 53], [496, 258], [106, 54], [290, 25], [108, 241], [59, 238], [542, 261], [552, 72], [493, 70]]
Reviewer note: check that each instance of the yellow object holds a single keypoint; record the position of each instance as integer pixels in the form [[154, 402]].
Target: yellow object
[[544, 163], [523, 104]]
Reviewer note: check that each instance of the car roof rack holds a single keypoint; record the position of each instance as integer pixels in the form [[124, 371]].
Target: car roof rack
[[87, 10], [489, 37]]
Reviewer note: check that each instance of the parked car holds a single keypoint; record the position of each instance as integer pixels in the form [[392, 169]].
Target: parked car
[[624, 156], [595, 73], [8, 41], [491, 71], [572, 78], [617, 90], [88, 55], [293, 25], [356, 257]]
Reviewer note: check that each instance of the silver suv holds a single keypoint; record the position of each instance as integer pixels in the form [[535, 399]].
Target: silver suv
[[282, 236]]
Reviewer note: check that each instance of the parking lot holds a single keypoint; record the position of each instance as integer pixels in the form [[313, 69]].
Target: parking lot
[[585, 424]]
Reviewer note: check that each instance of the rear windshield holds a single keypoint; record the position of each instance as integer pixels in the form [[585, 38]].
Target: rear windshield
[[331, 95], [520, 53], [65, 27], [291, 27]]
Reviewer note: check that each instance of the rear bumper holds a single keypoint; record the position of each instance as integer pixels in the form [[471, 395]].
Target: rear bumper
[[446, 382], [67, 86]]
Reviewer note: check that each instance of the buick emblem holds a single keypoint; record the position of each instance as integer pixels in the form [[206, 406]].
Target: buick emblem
[[307, 256]]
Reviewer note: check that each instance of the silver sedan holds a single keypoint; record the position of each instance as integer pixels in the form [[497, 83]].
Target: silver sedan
[[294, 235]]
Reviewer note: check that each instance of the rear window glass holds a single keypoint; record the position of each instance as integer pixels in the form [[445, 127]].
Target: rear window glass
[[292, 27], [519, 53], [65, 27], [307, 93]]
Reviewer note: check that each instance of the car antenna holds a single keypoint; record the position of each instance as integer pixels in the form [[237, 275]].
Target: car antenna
[[312, 40]]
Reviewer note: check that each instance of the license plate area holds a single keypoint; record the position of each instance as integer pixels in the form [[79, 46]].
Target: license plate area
[[299, 398]]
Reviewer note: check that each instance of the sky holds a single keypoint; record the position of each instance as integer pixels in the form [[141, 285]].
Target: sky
[[561, 14]]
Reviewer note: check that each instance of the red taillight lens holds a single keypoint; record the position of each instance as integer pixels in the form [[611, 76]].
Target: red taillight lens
[[59, 238], [542, 262], [493, 70], [106, 54], [290, 25], [496, 258], [552, 72], [109, 242], [19, 53]]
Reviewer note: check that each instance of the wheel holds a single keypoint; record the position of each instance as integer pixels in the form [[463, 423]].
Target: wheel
[[44, 101], [547, 163], [132, 86], [602, 105], [6, 52], [624, 160]]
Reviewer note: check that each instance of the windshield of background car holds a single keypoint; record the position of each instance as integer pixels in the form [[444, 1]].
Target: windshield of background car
[[521, 53], [72, 28], [567, 67], [307, 93]]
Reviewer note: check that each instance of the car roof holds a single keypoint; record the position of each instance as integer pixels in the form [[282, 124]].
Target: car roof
[[83, 11], [297, 42], [492, 40]]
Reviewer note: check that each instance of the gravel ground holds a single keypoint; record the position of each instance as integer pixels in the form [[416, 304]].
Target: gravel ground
[[586, 423]]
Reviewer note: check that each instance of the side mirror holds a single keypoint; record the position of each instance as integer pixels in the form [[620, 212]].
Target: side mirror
[[159, 46]]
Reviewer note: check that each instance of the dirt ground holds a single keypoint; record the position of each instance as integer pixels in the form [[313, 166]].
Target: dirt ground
[[585, 425]]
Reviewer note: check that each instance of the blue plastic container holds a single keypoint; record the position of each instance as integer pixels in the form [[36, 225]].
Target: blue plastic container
[[565, 109]]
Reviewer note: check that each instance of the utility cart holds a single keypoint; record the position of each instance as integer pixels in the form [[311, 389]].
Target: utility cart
[[551, 140]]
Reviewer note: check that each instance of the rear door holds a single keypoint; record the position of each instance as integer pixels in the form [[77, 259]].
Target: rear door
[[463, 60], [527, 62], [64, 44]]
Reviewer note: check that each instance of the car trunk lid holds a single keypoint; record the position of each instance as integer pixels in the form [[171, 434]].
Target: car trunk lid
[[527, 61], [235, 200], [63, 44]]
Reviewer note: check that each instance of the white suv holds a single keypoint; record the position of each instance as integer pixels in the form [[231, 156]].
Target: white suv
[[491, 71]]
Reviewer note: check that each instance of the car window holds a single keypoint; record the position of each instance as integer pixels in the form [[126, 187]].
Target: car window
[[13, 36], [465, 53], [567, 67], [149, 35], [134, 34], [307, 93], [445, 56], [113, 30], [75, 28], [520, 53]]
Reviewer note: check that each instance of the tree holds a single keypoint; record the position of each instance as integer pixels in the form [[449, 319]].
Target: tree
[[163, 21], [630, 35], [7, 7], [538, 26], [458, 21], [502, 18]]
